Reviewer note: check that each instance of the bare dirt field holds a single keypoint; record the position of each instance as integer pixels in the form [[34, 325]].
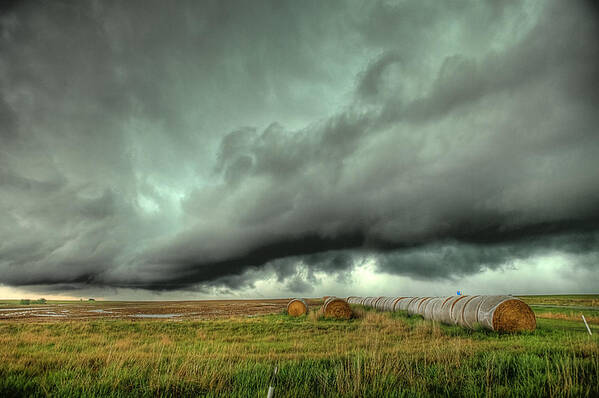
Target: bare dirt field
[[172, 310]]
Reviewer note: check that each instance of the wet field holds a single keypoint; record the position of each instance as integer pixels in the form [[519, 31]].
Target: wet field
[[173, 310]]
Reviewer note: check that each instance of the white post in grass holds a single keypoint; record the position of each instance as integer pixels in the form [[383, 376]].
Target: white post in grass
[[587, 325], [271, 388]]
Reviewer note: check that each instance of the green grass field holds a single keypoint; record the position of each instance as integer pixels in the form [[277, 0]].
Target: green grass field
[[376, 354]]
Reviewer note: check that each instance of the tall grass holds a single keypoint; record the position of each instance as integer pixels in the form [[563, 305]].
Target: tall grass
[[375, 354]]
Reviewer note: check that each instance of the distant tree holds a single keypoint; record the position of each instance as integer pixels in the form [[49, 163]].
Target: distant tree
[[42, 301], [25, 301], [91, 299]]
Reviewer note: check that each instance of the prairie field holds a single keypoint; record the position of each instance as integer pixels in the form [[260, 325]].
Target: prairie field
[[232, 352]]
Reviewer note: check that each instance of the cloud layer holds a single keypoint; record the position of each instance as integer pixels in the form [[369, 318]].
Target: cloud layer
[[212, 144]]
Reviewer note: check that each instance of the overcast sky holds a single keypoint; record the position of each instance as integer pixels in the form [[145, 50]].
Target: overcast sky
[[192, 149]]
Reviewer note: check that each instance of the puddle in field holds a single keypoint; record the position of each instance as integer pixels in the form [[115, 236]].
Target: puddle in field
[[22, 309], [101, 311], [16, 313], [155, 315]]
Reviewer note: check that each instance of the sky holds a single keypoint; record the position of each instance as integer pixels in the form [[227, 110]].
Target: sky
[[206, 149]]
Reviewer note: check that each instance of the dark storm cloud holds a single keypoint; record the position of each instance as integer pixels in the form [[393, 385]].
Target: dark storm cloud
[[438, 139], [370, 81], [7, 121], [453, 259]]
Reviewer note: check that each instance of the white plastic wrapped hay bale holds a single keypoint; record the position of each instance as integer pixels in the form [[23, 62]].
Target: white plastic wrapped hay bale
[[444, 315], [458, 307], [470, 312], [379, 303], [429, 306], [419, 309], [390, 303], [402, 303], [413, 304], [506, 314]]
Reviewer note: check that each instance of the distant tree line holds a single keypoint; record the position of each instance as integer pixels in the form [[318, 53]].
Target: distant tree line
[[27, 301]]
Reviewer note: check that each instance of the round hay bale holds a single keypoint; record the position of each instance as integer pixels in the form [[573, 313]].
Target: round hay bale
[[470, 311], [415, 306], [514, 316], [379, 303], [390, 303], [372, 301], [337, 308], [506, 314], [435, 309], [427, 309], [456, 309], [412, 304], [297, 307], [402, 303], [421, 303], [426, 306], [444, 314]]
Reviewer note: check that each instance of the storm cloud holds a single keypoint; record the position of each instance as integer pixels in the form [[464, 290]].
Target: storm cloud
[[221, 143]]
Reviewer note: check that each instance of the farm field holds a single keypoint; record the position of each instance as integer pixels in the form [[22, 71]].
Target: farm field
[[230, 348], [172, 310]]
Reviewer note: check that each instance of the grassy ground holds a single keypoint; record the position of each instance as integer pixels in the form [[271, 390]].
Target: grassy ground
[[591, 316], [572, 300], [565, 307], [377, 354]]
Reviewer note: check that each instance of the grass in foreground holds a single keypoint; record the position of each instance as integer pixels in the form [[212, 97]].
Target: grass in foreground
[[378, 354]]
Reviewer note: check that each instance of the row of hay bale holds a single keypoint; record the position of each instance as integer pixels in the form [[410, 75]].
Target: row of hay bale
[[498, 313], [333, 307]]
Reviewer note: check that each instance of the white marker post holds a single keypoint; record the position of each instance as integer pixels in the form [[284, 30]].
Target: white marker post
[[271, 388], [587, 325]]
